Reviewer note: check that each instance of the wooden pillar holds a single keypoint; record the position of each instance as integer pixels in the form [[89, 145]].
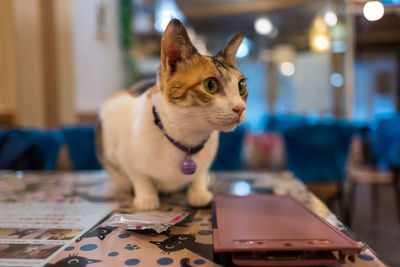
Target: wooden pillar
[[29, 60], [36, 78], [8, 68], [62, 17], [272, 88], [49, 71], [339, 99], [349, 86]]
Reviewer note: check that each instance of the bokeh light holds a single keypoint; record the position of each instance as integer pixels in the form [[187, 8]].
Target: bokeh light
[[330, 18], [244, 48], [321, 42], [336, 80], [287, 68], [241, 188], [166, 10], [263, 26], [373, 10]]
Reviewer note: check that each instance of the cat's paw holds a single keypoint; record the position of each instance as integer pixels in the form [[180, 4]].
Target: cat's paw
[[146, 203], [199, 198]]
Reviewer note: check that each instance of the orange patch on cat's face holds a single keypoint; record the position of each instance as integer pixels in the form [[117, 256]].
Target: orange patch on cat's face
[[185, 86]]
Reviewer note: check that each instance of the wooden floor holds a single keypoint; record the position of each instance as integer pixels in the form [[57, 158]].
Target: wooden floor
[[381, 232]]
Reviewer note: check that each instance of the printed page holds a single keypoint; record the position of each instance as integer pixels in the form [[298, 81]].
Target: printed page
[[31, 234]]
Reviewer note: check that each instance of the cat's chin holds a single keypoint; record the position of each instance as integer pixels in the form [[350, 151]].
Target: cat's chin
[[228, 127]]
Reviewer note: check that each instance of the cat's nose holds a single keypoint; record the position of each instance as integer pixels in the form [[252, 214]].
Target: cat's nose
[[239, 110]]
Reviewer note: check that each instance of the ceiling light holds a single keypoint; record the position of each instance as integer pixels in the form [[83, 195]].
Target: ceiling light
[[373, 10], [263, 26], [287, 68], [321, 42], [330, 18]]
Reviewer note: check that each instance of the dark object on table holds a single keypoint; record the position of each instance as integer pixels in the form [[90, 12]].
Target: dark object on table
[[29, 149], [276, 231]]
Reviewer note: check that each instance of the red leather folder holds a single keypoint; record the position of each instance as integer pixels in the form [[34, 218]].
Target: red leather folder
[[268, 230]]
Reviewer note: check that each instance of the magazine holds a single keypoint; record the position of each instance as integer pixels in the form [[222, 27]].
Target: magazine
[[31, 234]]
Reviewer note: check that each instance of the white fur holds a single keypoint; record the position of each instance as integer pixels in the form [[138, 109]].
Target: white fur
[[138, 154]]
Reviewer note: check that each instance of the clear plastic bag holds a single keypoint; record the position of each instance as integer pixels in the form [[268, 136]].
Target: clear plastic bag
[[158, 221]]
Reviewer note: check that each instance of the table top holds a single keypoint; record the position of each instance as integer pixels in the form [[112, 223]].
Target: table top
[[187, 244]]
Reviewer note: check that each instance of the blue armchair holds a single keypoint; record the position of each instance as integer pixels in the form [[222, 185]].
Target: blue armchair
[[80, 141], [230, 151], [317, 154], [383, 168], [31, 149]]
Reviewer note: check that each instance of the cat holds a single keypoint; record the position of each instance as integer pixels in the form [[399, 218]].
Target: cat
[[184, 241], [194, 98], [100, 232], [72, 261]]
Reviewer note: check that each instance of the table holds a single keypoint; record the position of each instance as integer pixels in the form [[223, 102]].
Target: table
[[187, 244]]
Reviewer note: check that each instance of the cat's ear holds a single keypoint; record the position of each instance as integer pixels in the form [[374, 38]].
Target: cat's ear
[[229, 51], [175, 46]]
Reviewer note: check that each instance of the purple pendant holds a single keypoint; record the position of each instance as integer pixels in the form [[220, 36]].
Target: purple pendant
[[188, 166]]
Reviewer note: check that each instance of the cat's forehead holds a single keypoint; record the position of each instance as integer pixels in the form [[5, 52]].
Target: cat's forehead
[[224, 69], [201, 67]]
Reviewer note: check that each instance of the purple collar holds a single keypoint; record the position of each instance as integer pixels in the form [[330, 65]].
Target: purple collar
[[188, 150], [188, 166]]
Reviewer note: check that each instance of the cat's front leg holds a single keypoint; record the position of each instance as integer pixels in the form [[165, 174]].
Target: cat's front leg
[[146, 196], [197, 193]]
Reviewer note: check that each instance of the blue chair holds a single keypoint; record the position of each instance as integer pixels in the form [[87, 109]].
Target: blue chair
[[383, 167], [230, 151], [80, 141], [32, 149], [386, 143], [317, 155], [279, 123], [318, 152]]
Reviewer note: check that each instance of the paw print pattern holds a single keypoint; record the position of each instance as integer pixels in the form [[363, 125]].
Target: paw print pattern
[[131, 247]]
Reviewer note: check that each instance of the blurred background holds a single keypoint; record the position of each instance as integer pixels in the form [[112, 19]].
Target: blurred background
[[323, 75]]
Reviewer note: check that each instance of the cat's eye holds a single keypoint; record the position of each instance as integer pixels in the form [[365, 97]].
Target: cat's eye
[[242, 87], [211, 85], [182, 237], [169, 246], [71, 261]]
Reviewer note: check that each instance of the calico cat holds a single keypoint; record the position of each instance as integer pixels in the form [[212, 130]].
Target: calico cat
[[166, 138], [184, 241]]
